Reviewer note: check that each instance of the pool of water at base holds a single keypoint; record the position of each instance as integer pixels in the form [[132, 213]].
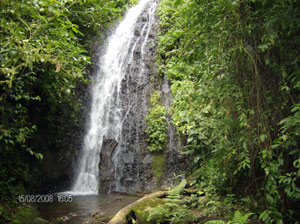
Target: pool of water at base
[[81, 209]]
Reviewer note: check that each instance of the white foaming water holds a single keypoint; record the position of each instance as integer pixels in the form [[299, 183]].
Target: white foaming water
[[106, 114]]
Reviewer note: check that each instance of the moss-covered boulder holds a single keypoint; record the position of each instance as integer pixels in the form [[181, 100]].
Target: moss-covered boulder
[[142, 211], [136, 209]]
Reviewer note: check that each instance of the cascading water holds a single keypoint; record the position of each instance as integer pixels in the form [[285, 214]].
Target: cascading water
[[108, 112]]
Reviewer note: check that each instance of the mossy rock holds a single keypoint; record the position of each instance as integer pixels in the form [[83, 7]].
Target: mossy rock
[[142, 211], [126, 214], [158, 166]]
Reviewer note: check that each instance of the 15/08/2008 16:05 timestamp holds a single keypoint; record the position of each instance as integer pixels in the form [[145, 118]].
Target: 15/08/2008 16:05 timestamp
[[45, 198]]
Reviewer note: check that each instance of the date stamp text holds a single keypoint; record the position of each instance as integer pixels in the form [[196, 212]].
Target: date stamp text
[[48, 198]]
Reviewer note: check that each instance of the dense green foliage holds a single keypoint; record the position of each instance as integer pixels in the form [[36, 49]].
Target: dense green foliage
[[234, 67], [183, 205], [157, 126], [45, 47]]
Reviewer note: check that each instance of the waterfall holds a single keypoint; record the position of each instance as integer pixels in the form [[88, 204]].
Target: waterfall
[[107, 111]]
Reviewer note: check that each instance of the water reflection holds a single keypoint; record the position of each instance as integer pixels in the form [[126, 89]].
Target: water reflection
[[82, 208]]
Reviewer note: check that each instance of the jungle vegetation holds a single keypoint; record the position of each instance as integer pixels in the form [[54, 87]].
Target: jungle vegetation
[[234, 69]]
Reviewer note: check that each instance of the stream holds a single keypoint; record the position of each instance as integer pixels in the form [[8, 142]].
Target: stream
[[83, 208]]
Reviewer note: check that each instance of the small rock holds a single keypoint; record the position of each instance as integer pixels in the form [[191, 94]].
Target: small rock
[[40, 221], [148, 159]]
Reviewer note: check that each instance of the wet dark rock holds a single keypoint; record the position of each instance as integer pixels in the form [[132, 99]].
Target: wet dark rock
[[137, 32], [144, 18], [148, 159], [106, 165], [132, 160], [62, 151], [137, 55]]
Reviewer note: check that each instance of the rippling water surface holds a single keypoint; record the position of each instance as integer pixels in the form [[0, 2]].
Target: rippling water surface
[[82, 208]]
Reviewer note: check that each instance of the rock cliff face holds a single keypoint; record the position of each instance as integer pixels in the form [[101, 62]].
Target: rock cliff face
[[130, 165], [133, 161]]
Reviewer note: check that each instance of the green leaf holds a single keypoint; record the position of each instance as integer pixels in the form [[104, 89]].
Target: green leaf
[[262, 137], [192, 151], [294, 151], [190, 139], [179, 188], [196, 159], [270, 199]]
